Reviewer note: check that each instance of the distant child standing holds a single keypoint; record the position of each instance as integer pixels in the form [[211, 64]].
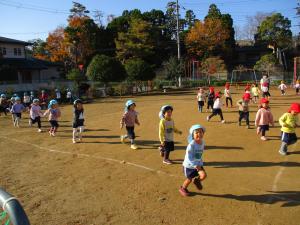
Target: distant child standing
[[54, 113], [227, 94], [32, 97], [243, 105], [265, 90], [201, 97], [210, 98], [129, 119], [58, 96], [35, 114], [297, 87], [255, 92], [193, 163], [69, 96], [282, 87], [44, 99], [166, 133], [16, 111], [217, 108], [3, 104], [78, 121], [263, 118], [26, 100], [289, 121]]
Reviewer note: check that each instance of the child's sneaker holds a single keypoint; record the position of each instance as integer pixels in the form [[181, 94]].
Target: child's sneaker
[[184, 191], [74, 141], [207, 118], [50, 133], [263, 138], [282, 152], [53, 134], [133, 146], [167, 161], [122, 139], [197, 183], [39, 130], [223, 121]]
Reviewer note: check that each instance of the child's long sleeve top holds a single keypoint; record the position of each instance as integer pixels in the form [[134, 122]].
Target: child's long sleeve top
[[35, 111], [193, 155], [263, 117], [243, 105], [54, 114], [217, 104], [166, 130], [282, 87], [227, 93], [130, 118], [17, 108], [288, 122]]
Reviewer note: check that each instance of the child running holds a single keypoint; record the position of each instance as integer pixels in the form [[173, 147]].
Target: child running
[[16, 111], [166, 133], [26, 100], [201, 97], [255, 92], [35, 114], [289, 122], [265, 90], [217, 108], [243, 105], [210, 98], [282, 87], [78, 121], [193, 163], [227, 94], [263, 118], [130, 118], [54, 113], [297, 87]]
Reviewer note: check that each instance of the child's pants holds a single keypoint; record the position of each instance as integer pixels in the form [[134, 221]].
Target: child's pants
[[76, 133], [37, 120], [244, 115], [216, 112], [228, 99], [210, 103], [287, 139], [200, 105]]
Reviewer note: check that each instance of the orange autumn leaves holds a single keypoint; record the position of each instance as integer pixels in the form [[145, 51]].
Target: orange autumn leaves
[[205, 37]]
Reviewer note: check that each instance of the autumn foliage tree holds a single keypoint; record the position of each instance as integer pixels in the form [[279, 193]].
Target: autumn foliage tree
[[57, 46], [206, 38]]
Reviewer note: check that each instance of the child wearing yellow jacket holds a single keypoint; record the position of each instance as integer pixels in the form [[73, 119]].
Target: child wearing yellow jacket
[[289, 122]]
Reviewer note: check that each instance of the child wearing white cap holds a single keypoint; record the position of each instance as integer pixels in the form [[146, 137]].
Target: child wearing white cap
[[129, 119], [166, 133], [193, 163]]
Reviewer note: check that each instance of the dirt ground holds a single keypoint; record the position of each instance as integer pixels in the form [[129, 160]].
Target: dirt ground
[[102, 181]]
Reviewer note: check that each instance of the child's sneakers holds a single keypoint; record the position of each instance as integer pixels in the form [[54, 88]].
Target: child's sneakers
[[197, 183], [282, 152], [133, 146], [167, 161], [207, 118], [74, 141], [40, 130], [122, 139], [184, 191], [223, 121], [263, 138]]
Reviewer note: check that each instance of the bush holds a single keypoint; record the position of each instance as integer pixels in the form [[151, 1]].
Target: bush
[[105, 69], [138, 69]]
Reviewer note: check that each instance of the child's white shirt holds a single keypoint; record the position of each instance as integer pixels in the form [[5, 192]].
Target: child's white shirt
[[282, 87], [227, 93], [217, 104]]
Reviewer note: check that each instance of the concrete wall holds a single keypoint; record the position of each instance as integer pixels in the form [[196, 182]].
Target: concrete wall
[[35, 86]]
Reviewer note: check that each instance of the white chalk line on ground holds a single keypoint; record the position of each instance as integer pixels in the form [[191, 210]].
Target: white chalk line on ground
[[89, 156], [127, 163]]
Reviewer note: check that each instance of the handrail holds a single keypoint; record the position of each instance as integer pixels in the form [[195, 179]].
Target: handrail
[[13, 208]]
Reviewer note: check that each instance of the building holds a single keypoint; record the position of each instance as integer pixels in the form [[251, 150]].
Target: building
[[16, 68]]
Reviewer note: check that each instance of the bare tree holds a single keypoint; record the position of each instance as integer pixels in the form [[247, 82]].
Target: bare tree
[[98, 15]]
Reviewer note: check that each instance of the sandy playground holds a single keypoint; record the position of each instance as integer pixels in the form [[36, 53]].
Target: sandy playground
[[102, 181]]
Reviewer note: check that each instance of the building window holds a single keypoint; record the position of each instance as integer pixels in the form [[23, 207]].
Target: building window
[[15, 51], [19, 51], [2, 51]]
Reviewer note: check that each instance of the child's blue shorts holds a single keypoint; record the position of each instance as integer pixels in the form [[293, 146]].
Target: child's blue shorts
[[289, 138]]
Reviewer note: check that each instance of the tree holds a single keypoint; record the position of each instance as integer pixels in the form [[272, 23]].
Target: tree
[[206, 38], [38, 49], [105, 69], [78, 10], [57, 46], [76, 76], [266, 63], [275, 30], [136, 43], [173, 69], [212, 65], [190, 18], [139, 70], [252, 23]]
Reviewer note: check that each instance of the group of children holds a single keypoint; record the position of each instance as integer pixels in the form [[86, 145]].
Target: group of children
[[193, 164]]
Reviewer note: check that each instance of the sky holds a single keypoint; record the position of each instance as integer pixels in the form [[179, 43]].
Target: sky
[[31, 19]]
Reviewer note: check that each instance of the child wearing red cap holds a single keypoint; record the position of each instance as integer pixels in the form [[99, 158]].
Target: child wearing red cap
[[289, 122], [227, 94], [210, 98], [265, 90], [263, 118], [297, 87], [243, 105], [217, 108]]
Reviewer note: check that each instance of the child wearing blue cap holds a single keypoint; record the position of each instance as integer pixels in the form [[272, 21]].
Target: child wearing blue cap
[[35, 114], [193, 164], [166, 133], [129, 119], [16, 111], [54, 113]]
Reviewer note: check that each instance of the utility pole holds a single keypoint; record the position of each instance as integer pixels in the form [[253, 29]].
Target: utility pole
[[178, 40]]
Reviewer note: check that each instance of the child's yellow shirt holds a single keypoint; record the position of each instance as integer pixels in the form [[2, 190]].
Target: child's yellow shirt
[[288, 123], [166, 130]]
